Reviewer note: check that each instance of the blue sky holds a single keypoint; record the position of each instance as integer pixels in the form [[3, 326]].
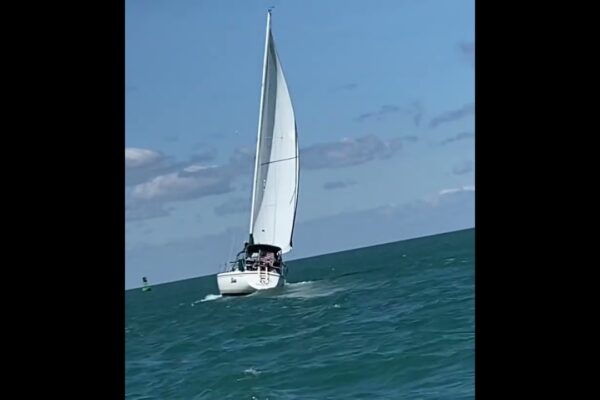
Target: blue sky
[[383, 93]]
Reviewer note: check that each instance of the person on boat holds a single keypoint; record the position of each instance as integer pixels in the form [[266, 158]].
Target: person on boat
[[267, 260], [251, 260], [277, 263], [239, 264], [251, 263]]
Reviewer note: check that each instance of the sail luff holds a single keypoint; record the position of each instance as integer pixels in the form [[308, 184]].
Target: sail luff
[[260, 118]]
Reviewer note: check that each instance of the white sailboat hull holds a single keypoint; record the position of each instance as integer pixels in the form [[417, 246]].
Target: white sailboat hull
[[236, 283]]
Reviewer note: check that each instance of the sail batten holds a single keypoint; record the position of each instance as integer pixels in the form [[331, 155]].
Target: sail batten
[[276, 174]]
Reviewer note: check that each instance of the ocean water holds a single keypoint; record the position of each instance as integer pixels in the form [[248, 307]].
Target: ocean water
[[394, 321]]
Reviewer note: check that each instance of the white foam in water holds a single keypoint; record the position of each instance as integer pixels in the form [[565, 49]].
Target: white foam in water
[[251, 371], [210, 297], [298, 283], [307, 290]]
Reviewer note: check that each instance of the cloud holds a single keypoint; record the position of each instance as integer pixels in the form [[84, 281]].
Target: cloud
[[235, 205], [452, 115], [382, 112], [348, 152], [182, 181], [460, 136], [192, 182], [467, 188], [415, 110], [467, 50], [141, 158], [156, 181], [463, 168], [338, 184], [349, 86], [136, 211], [143, 164]]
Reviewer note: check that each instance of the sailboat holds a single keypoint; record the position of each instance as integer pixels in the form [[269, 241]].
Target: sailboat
[[260, 266]]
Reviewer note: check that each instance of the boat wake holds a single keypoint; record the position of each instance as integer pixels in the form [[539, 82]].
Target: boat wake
[[295, 284], [308, 290]]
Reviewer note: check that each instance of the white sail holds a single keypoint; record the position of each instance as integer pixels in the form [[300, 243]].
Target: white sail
[[275, 191]]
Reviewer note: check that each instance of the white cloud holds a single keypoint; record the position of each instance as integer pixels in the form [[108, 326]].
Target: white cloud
[[466, 188], [161, 185], [141, 158], [196, 167], [348, 152], [188, 184]]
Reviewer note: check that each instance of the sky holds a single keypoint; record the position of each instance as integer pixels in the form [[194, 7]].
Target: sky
[[383, 93]]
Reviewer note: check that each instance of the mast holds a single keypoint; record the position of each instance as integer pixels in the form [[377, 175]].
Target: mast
[[262, 96]]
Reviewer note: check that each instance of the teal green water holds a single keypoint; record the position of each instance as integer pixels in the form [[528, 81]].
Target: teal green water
[[394, 321]]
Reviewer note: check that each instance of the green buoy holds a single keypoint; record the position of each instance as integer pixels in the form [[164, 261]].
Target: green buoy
[[146, 288]]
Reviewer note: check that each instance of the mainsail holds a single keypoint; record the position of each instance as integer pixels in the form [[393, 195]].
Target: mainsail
[[275, 191]]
